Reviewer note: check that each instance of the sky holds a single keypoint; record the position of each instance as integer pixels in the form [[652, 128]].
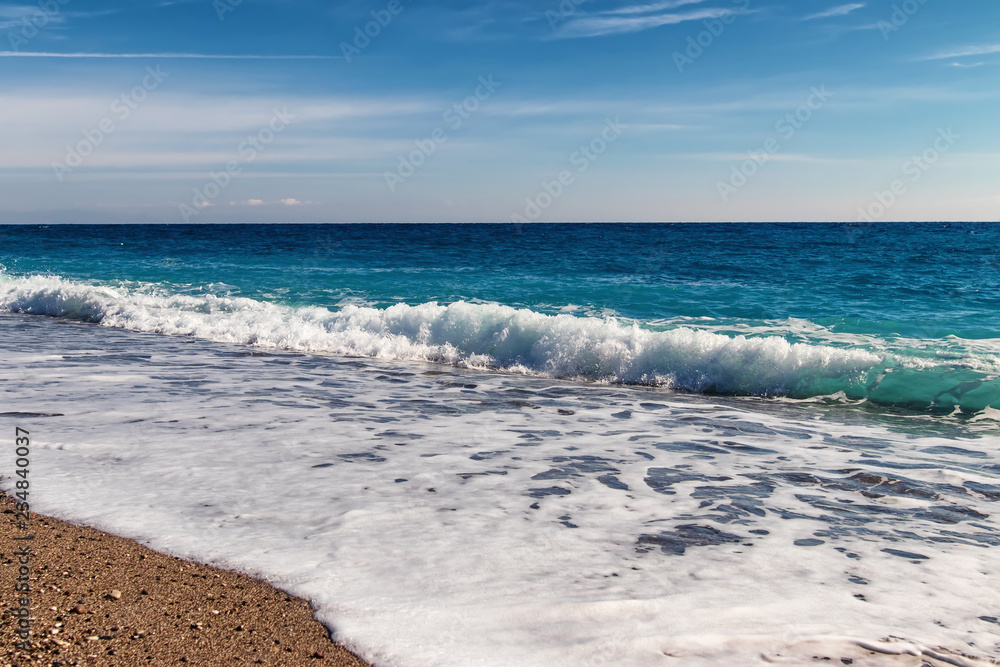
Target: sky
[[498, 110]]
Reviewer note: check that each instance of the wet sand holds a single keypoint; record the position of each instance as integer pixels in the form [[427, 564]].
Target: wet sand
[[98, 599]]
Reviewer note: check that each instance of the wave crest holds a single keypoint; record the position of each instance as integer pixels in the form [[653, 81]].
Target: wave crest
[[465, 334], [492, 336]]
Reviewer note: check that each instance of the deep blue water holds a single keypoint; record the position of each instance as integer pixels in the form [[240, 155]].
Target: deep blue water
[[924, 297]]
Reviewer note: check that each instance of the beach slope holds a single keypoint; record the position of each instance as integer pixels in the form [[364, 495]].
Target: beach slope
[[98, 599]]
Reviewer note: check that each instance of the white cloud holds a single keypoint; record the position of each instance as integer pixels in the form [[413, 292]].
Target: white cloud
[[291, 202], [174, 131], [54, 110], [965, 52], [658, 127], [16, 11], [596, 26], [649, 8], [12, 16], [840, 10], [207, 56], [775, 157], [255, 202]]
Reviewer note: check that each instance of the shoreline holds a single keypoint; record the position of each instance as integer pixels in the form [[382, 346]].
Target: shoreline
[[112, 601], [570, 522]]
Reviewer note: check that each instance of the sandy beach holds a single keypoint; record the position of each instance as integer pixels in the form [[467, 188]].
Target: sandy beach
[[98, 599]]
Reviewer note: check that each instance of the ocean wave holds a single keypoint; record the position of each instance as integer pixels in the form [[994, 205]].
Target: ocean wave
[[498, 337]]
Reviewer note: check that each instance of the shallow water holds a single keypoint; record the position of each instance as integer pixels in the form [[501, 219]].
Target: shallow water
[[438, 515]]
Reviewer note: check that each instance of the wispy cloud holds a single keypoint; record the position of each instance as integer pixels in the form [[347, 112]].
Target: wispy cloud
[[775, 157], [12, 16], [597, 26], [209, 56], [649, 8], [840, 10], [965, 52], [659, 127], [17, 11]]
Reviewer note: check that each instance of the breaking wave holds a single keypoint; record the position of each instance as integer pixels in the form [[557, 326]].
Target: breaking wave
[[503, 338]]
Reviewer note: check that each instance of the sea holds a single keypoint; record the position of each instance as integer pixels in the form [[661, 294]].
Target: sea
[[538, 444]]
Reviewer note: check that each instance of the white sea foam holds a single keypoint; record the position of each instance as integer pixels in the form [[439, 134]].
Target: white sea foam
[[464, 334], [471, 518]]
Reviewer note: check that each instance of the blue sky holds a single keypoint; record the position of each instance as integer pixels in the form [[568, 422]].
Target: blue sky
[[584, 110]]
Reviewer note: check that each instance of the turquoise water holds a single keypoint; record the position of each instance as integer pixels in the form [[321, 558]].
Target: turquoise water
[[900, 316]]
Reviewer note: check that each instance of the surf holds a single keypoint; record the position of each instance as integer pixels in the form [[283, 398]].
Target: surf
[[503, 338]]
